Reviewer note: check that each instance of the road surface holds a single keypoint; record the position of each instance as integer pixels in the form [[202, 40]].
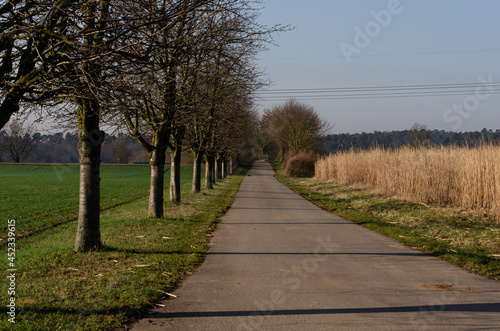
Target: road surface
[[277, 262]]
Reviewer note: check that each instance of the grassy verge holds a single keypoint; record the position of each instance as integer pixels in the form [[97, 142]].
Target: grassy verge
[[143, 259], [464, 239]]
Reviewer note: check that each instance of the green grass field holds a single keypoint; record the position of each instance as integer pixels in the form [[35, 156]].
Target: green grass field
[[41, 196], [143, 258]]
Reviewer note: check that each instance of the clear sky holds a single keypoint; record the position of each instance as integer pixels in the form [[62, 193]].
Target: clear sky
[[379, 43]]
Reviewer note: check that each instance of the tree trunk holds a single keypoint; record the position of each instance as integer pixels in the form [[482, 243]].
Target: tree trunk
[[213, 170], [230, 165], [175, 175], [196, 187], [10, 103], [157, 162], [209, 171], [88, 236], [224, 168], [217, 170], [15, 157], [9, 106]]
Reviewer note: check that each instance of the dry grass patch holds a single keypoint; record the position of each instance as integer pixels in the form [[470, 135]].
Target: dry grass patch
[[465, 178]]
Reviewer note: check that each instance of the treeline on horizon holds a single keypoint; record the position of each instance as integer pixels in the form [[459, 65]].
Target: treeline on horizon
[[63, 148], [334, 143], [122, 149]]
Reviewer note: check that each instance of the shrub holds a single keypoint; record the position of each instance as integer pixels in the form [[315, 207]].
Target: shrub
[[300, 164]]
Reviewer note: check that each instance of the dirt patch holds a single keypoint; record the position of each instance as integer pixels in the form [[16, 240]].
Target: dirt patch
[[444, 287]]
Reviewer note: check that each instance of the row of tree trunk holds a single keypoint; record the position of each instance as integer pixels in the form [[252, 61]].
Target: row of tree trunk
[[150, 66]]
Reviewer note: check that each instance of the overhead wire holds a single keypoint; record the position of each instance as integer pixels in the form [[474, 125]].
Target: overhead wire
[[391, 91]]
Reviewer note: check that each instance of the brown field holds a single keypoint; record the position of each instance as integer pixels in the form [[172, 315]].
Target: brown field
[[467, 178]]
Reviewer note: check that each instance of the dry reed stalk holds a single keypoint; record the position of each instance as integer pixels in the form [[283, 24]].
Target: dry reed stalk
[[467, 178]]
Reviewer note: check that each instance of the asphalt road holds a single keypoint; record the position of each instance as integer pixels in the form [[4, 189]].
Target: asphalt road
[[277, 262]]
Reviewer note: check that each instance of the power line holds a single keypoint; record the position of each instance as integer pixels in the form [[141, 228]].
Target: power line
[[380, 91], [399, 87]]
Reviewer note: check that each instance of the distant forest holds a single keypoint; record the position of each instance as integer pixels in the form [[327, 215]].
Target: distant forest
[[62, 147], [413, 137]]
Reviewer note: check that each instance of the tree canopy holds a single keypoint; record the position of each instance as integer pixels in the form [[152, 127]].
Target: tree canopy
[[293, 127]]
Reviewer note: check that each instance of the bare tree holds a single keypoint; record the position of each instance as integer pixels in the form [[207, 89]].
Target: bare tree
[[112, 46], [228, 73], [20, 140], [183, 52], [150, 115], [120, 151], [59, 48], [294, 127]]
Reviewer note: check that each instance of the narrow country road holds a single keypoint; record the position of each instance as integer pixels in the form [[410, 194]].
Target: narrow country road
[[277, 262]]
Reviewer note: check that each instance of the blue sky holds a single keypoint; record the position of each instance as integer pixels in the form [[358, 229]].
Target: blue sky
[[402, 43]]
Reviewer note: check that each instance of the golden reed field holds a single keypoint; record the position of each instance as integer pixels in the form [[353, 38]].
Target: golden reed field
[[467, 178]]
